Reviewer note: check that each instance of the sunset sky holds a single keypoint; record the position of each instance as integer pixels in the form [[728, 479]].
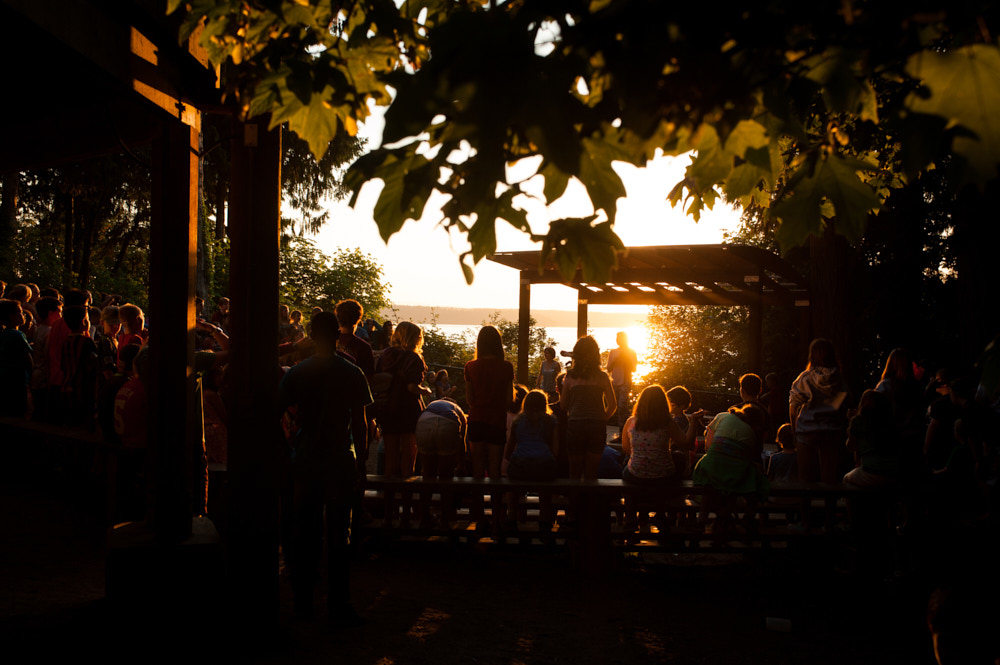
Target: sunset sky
[[421, 261]]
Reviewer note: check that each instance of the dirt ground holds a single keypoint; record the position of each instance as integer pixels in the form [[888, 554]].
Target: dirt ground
[[442, 603]]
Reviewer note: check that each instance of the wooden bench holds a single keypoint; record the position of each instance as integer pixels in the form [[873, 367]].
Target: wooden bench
[[409, 507]]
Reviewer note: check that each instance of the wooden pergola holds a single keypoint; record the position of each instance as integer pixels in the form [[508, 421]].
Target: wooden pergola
[[690, 275], [85, 78]]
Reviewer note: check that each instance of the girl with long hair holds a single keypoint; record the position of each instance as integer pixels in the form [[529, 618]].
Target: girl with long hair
[[646, 440], [589, 400], [398, 421], [489, 388], [531, 450], [647, 435]]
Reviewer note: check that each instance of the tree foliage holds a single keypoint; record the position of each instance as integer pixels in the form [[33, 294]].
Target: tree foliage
[[84, 224], [812, 111], [309, 278], [538, 339], [702, 348]]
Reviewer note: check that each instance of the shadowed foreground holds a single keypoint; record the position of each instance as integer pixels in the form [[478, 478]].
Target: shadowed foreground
[[435, 603]]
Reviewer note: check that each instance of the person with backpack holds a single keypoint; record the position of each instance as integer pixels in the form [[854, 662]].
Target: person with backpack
[[397, 396]]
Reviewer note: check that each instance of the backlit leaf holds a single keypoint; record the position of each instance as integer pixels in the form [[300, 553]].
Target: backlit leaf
[[746, 135], [602, 182], [555, 181], [399, 199], [964, 88], [712, 163], [831, 178], [576, 243]]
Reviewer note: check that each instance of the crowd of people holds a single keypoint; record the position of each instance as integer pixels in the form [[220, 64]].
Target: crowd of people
[[351, 386]]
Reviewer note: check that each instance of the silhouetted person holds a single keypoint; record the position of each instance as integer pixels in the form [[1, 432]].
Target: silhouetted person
[[622, 362], [330, 394]]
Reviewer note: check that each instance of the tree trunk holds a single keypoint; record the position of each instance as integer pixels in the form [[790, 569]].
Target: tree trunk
[[69, 217], [830, 258], [89, 226], [202, 282], [8, 220], [221, 194], [976, 238]]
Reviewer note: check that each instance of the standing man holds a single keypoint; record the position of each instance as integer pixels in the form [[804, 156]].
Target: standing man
[[349, 343], [621, 363], [330, 395]]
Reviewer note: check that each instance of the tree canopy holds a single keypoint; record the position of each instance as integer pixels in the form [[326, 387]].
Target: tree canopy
[[813, 112], [310, 278]]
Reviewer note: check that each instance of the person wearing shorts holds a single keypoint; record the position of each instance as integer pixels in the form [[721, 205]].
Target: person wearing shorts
[[441, 433], [588, 400], [489, 387]]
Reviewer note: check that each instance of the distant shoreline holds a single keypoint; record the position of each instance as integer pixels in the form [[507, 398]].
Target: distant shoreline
[[472, 316]]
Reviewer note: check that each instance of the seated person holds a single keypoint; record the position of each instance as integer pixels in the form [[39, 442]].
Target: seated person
[[531, 448], [870, 438], [783, 466], [731, 465]]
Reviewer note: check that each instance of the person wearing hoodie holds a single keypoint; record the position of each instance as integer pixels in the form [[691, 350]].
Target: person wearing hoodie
[[817, 410], [404, 398]]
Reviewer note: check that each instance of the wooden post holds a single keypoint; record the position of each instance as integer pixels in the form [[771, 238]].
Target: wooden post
[[254, 432], [581, 314], [172, 264], [755, 322], [802, 308], [523, 325]]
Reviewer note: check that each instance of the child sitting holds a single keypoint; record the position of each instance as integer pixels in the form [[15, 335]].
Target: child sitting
[[783, 466], [442, 386], [15, 360], [532, 446], [870, 438], [679, 401]]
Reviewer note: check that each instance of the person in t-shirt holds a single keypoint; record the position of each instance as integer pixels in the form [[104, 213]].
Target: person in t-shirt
[[783, 466], [220, 316], [622, 362], [59, 334], [79, 369], [357, 350], [489, 388], [131, 409], [107, 343], [330, 395], [108, 393], [286, 330], [15, 361], [49, 311], [750, 391], [132, 332]]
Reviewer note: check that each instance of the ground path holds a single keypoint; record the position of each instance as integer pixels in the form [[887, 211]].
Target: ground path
[[430, 603]]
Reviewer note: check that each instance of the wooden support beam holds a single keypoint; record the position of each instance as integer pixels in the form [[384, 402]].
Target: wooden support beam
[[254, 224], [172, 242], [581, 313], [523, 324], [755, 321]]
